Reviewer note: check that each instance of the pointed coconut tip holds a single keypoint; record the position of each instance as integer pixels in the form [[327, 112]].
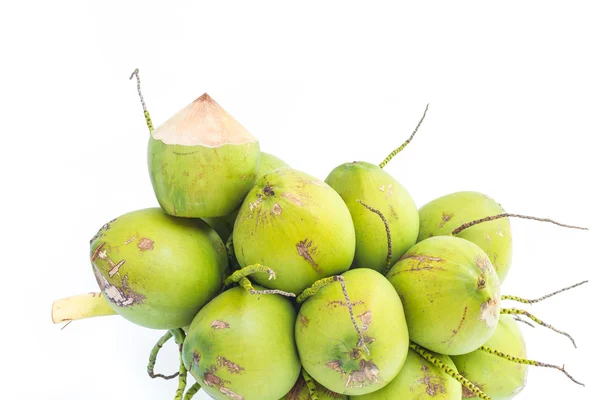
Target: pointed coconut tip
[[203, 122]]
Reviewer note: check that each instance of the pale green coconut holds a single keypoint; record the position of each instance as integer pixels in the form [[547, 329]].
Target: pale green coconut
[[297, 225], [156, 270], [224, 225], [202, 162], [241, 346], [498, 378], [444, 214], [329, 344], [419, 380], [300, 391], [450, 292], [378, 189]]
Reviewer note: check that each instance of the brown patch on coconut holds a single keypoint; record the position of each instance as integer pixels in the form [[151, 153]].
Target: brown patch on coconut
[[468, 394], [196, 357], [304, 321], [293, 198], [335, 365], [306, 251], [445, 218], [97, 251], [365, 319], [232, 367], [276, 209], [113, 271], [145, 244], [422, 258], [230, 393], [367, 374], [216, 324], [268, 190], [121, 296], [435, 384], [489, 311], [460, 324], [340, 303], [483, 263]]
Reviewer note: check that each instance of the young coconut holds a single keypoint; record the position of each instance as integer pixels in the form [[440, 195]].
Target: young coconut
[[241, 346], [202, 162], [358, 353], [156, 270], [298, 226], [224, 225], [498, 378], [419, 379], [477, 218], [369, 182], [450, 293], [307, 388]]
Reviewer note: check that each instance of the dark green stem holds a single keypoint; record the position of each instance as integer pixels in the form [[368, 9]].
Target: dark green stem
[[525, 361], [449, 371], [527, 301], [136, 73], [191, 392], [515, 311], [249, 270], [399, 149], [154, 354], [179, 336], [506, 215], [310, 384], [388, 259]]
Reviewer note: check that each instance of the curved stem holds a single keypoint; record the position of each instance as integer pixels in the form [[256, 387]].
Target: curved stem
[[527, 362], [79, 307], [399, 149], [449, 371], [388, 259], [154, 354], [310, 384], [195, 388], [246, 284], [506, 215], [136, 73], [515, 311], [249, 270], [526, 301]]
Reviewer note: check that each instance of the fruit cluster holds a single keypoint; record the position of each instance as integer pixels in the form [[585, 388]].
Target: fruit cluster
[[278, 285]]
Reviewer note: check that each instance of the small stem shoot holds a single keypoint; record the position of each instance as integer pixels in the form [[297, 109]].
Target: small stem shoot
[[310, 384], [388, 259], [521, 320], [249, 270], [154, 354], [533, 301], [514, 311], [449, 371], [246, 284], [528, 362], [191, 392], [505, 215], [136, 73], [399, 149]]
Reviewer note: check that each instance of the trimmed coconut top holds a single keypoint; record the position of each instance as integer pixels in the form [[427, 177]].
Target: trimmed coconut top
[[202, 123]]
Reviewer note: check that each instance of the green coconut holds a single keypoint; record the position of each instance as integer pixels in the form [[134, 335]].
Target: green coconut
[[499, 378], [378, 189], [300, 391], [418, 380], [450, 292], [441, 216], [329, 344], [224, 225], [202, 162], [241, 346], [156, 270], [297, 225]]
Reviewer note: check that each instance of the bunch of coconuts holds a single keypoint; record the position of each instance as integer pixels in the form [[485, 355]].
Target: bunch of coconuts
[[276, 284]]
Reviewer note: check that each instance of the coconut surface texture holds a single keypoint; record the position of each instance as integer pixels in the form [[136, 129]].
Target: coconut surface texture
[[297, 225], [498, 378], [378, 189], [224, 225], [418, 380], [444, 214], [450, 292], [300, 391], [202, 162], [241, 346], [156, 270], [328, 342]]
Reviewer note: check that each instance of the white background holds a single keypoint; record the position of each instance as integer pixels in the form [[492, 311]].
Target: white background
[[514, 93]]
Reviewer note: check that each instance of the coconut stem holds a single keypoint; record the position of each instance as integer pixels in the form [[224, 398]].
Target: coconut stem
[[528, 362], [526, 301], [179, 336], [79, 307], [448, 370], [136, 73], [191, 392], [505, 215], [521, 320], [515, 311], [309, 292], [399, 149], [388, 259], [249, 270], [246, 284], [310, 384], [154, 354]]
